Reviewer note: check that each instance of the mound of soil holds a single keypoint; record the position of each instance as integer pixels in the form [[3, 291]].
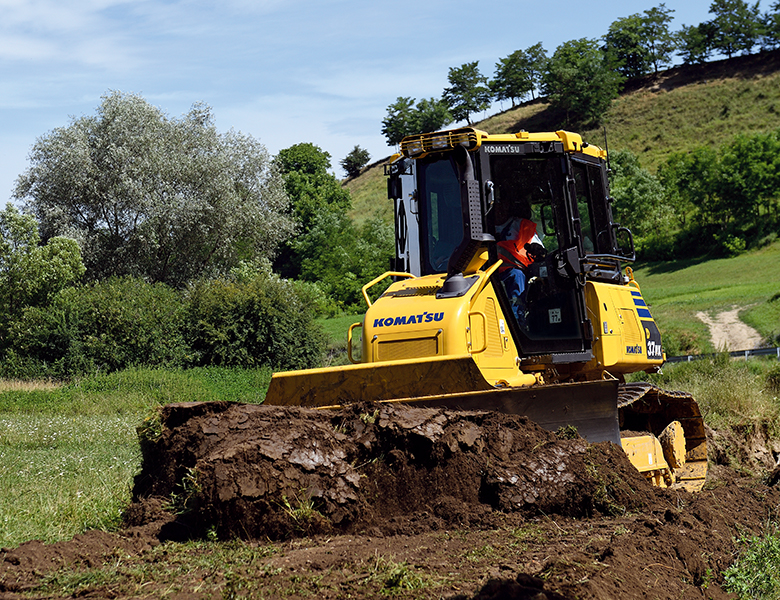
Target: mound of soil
[[484, 505], [261, 471]]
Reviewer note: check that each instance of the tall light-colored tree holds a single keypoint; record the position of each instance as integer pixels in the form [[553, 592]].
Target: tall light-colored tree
[[167, 199]]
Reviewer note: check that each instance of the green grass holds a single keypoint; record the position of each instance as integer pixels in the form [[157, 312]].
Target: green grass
[[63, 475], [677, 290], [732, 394], [68, 454], [756, 573], [335, 329]]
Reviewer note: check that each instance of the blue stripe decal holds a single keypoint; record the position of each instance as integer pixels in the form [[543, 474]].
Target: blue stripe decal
[[639, 302], [644, 313], [636, 294]]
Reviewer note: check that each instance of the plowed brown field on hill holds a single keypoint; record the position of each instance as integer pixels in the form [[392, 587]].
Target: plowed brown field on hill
[[417, 503]]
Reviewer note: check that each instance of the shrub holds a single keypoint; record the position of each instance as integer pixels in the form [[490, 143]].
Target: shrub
[[105, 326], [260, 322], [756, 573]]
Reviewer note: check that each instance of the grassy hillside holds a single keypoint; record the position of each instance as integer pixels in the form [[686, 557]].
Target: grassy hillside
[[678, 110], [677, 290]]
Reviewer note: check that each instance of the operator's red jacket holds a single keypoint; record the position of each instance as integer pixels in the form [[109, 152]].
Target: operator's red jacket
[[512, 249]]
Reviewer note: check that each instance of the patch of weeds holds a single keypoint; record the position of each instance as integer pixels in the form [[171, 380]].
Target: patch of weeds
[[150, 429], [755, 574], [621, 530], [370, 418], [603, 499], [395, 577], [484, 552], [302, 510], [528, 534], [80, 583], [567, 432], [184, 493]]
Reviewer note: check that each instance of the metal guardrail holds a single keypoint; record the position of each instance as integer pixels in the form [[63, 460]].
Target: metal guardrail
[[736, 354]]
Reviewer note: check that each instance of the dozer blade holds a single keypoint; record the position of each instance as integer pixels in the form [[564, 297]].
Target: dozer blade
[[456, 383], [376, 381]]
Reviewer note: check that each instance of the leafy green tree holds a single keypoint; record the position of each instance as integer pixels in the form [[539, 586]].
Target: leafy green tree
[[580, 82], [641, 42], [659, 41], [512, 80], [405, 118], [430, 115], [31, 274], [313, 190], [468, 93], [400, 120], [695, 43], [353, 162], [737, 26], [770, 27], [537, 65], [624, 44], [342, 258], [749, 176], [308, 183], [639, 203], [146, 195]]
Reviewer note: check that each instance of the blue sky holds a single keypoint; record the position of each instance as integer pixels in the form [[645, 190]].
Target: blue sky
[[283, 71]]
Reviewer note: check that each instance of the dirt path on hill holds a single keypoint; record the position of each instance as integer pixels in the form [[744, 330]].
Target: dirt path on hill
[[729, 333]]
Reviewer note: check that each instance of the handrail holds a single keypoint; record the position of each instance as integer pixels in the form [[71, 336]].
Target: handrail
[[376, 280]]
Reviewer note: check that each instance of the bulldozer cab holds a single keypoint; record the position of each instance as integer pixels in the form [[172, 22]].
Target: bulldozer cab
[[473, 191]]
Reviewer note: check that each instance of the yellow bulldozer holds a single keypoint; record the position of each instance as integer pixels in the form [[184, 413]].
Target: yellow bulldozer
[[479, 318]]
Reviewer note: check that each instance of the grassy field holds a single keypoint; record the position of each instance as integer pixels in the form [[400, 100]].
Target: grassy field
[[68, 454], [677, 290]]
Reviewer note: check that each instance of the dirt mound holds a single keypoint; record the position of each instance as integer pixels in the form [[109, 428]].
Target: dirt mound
[[470, 505], [260, 471]]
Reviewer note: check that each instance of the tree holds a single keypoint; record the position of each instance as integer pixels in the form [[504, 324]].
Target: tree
[[624, 44], [537, 64], [579, 81], [405, 118], [695, 43], [736, 26], [31, 274], [641, 42], [313, 191], [353, 162], [639, 201], [399, 121], [512, 80], [166, 199], [770, 27], [468, 93], [519, 74], [431, 115], [659, 41]]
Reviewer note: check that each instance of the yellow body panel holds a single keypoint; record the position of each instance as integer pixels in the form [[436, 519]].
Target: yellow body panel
[[623, 329], [409, 322]]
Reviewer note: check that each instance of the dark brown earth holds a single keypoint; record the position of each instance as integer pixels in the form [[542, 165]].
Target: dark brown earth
[[478, 505]]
